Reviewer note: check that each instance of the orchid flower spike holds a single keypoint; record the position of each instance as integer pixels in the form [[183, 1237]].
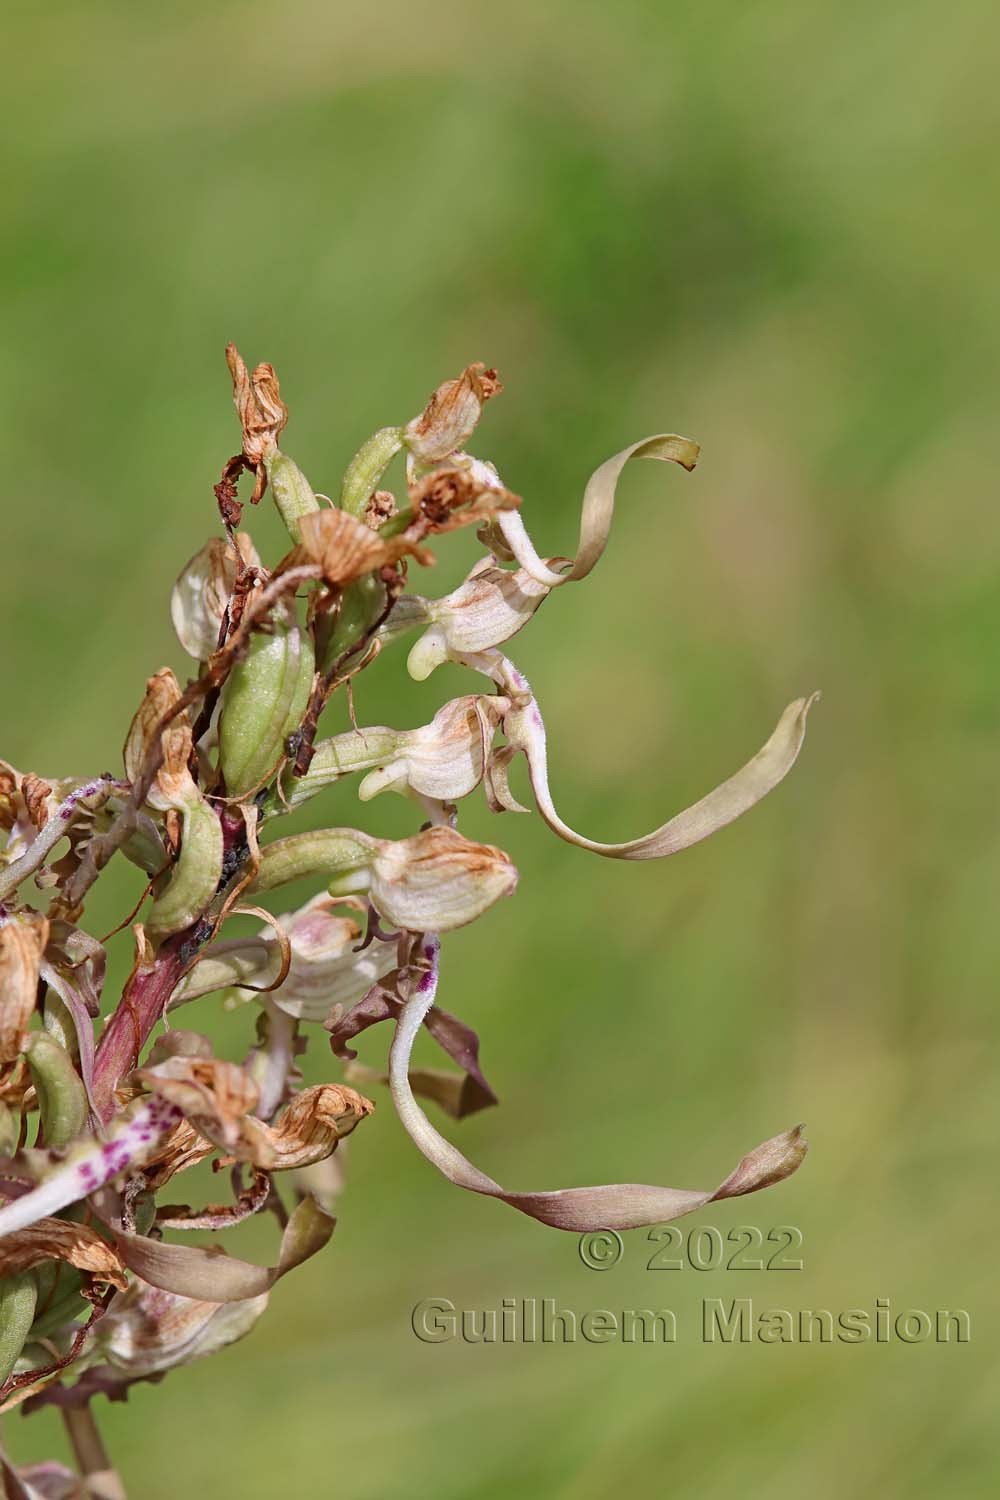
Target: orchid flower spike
[[95, 1126]]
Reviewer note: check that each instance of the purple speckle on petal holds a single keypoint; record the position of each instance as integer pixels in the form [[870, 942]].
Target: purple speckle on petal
[[116, 1158]]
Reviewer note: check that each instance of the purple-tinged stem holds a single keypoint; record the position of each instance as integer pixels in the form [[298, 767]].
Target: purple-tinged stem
[[143, 1002], [146, 995]]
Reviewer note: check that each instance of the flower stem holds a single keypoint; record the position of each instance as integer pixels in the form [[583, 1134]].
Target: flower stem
[[146, 995], [143, 1002], [103, 1483]]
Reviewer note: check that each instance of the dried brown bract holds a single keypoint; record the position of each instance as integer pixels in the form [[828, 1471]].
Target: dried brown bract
[[346, 549], [447, 499], [60, 1239], [261, 411]]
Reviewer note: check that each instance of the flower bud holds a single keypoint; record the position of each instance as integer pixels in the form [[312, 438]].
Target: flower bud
[[263, 702], [367, 467], [446, 758], [451, 415], [203, 590], [293, 494]]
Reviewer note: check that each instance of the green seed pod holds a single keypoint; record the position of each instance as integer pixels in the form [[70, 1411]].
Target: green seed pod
[[367, 467], [59, 1023], [362, 603], [262, 704], [62, 1099], [60, 1288], [196, 875], [18, 1295], [293, 494], [328, 852]]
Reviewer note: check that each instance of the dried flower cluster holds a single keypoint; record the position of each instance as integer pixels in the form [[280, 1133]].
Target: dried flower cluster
[[93, 1295]]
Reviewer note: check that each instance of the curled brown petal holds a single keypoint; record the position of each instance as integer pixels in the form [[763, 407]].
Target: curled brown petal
[[310, 1126], [345, 548], [460, 1094], [172, 785], [597, 510], [213, 1276], [526, 732], [61, 1239], [218, 1215], [216, 1096], [448, 499], [457, 1094], [610, 1206]]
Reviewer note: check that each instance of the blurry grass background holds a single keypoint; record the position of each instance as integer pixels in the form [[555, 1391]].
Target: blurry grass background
[[769, 226]]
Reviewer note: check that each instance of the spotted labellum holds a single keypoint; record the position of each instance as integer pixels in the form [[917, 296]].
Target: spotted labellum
[[101, 1282]]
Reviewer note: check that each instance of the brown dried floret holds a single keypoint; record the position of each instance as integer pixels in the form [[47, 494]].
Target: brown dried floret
[[262, 414], [22, 943], [36, 793], [345, 548], [452, 413], [61, 1239]]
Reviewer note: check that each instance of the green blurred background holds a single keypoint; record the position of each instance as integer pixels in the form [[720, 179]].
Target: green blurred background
[[768, 225]]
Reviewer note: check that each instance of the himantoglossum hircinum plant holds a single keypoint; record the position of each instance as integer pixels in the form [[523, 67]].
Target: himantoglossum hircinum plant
[[92, 1134]]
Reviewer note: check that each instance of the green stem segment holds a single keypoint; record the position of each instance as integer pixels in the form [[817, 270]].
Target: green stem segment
[[103, 1483]]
